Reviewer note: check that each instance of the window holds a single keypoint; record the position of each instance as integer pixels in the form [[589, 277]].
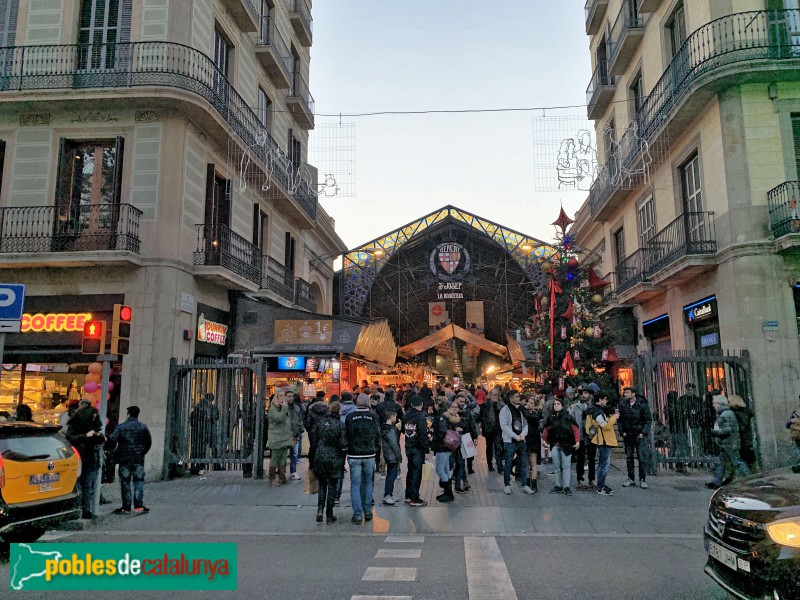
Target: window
[[294, 62], [611, 147], [676, 30], [290, 252], [264, 109], [8, 22], [796, 135], [601, 61], [618, 239], [636, 93], [218, 198], [103, 24], [647, 221], [260, 230], [222, 59], [2, 162], [692, 199], [295, 151]]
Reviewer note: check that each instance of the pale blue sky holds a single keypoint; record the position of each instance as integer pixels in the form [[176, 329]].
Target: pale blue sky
[[375, 55]]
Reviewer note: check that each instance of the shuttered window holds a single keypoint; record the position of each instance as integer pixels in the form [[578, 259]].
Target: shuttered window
[[102, 26], [8, 22], [796, 134], [219, 192]]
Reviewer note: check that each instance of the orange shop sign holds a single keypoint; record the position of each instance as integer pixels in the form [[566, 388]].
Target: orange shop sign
[[211, 332], [54, 322]]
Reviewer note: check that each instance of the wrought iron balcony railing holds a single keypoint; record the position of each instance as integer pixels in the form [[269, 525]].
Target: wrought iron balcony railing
[[300, 91], [692, 233], [305, 296], [276, 278], [600, 79], [771, 35], [271, 36], [77, 228], [630, 271], [784, 217], [164, 64], [302, 11], [627, 20], [218, 246]]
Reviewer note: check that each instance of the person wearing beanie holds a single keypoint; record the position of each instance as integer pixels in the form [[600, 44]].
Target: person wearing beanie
[[726, 432], [415, 429]]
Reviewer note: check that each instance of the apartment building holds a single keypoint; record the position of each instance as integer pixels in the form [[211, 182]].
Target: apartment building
[[153, 153], [696, 105]]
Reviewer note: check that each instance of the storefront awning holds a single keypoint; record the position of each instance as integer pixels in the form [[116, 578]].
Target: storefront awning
[[447, 333]]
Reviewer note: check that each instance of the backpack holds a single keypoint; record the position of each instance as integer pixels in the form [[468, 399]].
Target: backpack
[[452, 440], [591, 426]]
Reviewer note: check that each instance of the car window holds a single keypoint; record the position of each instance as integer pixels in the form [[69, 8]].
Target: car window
[[34, 447]]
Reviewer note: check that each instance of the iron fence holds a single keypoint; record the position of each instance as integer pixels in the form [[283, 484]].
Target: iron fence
[[269, 35], [277, 278], [135, 64], [679, 387], [70, 229], [305, 296], [630, 271], [692, 233], [783, 215], [600, 78], [215, 417], [218, 246], [740, 37]]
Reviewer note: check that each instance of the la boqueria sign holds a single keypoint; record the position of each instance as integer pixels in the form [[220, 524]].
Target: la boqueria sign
[[701, 311]]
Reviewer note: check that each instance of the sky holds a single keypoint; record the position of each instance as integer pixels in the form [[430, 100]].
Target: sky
[[377, 55]]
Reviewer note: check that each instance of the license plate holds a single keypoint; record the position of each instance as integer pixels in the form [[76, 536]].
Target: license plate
[[45, 478], [45, 487], [726, 557]]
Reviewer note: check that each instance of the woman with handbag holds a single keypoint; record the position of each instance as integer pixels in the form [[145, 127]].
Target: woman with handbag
[[446, 440], [533, 441], [561, 432], [328, 460]]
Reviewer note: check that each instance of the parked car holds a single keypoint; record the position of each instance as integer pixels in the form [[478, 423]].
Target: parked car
[[752, 536], [39, 473]]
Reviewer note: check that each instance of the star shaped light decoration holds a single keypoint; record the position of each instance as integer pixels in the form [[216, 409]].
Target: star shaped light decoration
[[563, 221]]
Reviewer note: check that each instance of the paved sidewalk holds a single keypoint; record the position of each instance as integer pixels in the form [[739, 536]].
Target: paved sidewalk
[[219, 502]]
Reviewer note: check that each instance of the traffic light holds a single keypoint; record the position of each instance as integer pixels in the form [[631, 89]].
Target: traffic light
[[94, 337], [121, 329]]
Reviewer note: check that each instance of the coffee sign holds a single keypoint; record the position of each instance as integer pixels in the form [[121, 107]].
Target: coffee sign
[[211, 332], [701, 311]]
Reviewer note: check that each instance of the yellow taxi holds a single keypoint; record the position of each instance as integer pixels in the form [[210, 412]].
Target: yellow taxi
[[39, 473]]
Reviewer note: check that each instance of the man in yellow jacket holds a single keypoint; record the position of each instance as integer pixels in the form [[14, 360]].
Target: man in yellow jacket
[[601, 429]]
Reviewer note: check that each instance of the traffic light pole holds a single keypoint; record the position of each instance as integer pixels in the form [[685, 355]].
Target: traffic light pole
[[106, 360]]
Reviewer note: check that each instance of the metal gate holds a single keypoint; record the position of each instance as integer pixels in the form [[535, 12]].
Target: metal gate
[[215, 417], [679, 387]]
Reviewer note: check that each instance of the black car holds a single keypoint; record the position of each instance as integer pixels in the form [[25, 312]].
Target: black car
[[752, 537]]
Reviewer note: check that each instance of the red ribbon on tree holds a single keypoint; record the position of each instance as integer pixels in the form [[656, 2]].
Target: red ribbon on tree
[[567, 365], [554, 289]]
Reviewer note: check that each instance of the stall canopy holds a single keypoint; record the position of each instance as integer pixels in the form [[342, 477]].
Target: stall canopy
[[263, 327], [447, 333]]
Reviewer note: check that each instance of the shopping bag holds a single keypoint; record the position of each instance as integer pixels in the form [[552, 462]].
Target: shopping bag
[[468, 449], [427, 471], [311, 483]]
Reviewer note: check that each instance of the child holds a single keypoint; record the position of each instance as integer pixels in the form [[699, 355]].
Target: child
[[390, 442], [793, 425]]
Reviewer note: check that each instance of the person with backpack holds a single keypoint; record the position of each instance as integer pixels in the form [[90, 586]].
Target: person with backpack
[[744, 417], [561, 432], [415, 429], [600, 429], [793, 425], [726, 432], [446, 440], [514, 426], [490, 428]]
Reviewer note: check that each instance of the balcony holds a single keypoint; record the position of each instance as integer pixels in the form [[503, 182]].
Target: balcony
[[300, 102], [625, 37], [244, 13], [240, 261], [682, 250], [305, 297], [595, 13], [600, 91], [649, 6], [147, 65], [277, 279], [272, 51], [300, 16], [64, 236]]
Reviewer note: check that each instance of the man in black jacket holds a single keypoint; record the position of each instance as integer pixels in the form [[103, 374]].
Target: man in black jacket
[[133, 441], [85, 432], [490, 428], [634, 425], [361, 440], [415, 428]]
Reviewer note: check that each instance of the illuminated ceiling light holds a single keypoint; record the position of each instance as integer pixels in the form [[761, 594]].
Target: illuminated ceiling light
[[376, 252], [526, 247]]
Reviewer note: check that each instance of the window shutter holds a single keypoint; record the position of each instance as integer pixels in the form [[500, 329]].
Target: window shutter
[[226, 202], [210, 184], [8, 22], [256, 225], [66, 163], [118, 163], [125, 21], [796, 135]]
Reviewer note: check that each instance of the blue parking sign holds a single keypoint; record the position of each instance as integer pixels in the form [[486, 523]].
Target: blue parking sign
[[12, 301]]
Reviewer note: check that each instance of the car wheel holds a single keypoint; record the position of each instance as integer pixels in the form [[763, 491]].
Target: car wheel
[[21, 536]]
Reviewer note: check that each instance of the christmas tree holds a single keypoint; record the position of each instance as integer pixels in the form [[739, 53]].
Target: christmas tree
[[571, 344]]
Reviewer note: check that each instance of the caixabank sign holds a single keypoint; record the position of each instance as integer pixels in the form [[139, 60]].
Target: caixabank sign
[[701, 311]]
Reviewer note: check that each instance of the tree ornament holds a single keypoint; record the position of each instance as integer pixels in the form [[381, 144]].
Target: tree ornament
[[577, 354], [547, 267], [570, 312], [563, 221], [572, 263], [597, 332], [563, 332], [597, 298], [604, 355], [589, 331], [567, 364], [561, 383], [544, 302], [595, 282]]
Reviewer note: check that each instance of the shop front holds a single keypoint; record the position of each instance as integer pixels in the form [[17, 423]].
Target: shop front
[[656, 332], [211, 339], [702, 318], [43, 366]]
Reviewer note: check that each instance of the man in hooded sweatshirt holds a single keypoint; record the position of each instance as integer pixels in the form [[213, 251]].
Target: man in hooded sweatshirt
[[726, 432]]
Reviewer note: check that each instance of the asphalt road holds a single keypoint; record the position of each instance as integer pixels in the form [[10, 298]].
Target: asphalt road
[[333, 567]]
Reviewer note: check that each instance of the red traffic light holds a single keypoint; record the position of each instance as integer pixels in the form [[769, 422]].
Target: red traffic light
[[93, 329], [125, 313]]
